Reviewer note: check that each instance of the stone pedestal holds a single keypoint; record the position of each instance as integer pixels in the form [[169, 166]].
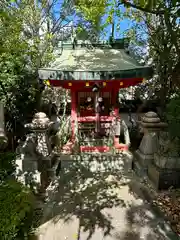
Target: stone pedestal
[[27, 172], [27, 162], [144, 156], [164, 178], [164, 171]]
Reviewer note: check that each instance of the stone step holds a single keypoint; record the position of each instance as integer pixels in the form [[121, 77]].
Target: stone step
[[94, 140], [103, 162]]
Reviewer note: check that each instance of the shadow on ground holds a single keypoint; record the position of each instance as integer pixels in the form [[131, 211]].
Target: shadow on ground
[[84, 194], [108, 201]]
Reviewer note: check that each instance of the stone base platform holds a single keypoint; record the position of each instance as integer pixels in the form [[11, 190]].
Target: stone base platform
[[164, 178], [139, 164], [99, 161], [138, 169]]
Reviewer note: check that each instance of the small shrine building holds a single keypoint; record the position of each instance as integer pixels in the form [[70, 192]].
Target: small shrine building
[[94, 73]]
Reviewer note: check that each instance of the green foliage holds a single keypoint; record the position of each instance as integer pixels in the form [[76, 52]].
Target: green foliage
[[7, 164], [17, 86], [13, 67], [16, 202], [92, 10], [160, 35], [149, 4], [173, 116], [22, 52], [16, 210]]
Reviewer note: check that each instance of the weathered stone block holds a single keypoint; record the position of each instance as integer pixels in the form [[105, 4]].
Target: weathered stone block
[[26, 165], [164, 171], [99, 162], [142, 158], [164, 178]]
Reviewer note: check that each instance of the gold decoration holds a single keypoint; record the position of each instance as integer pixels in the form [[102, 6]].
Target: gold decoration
[[69, 84], [104, 84], [47, 82], [121, 83], [87, 84]]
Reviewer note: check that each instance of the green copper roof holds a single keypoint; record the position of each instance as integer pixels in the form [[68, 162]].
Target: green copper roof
[[88, 62]]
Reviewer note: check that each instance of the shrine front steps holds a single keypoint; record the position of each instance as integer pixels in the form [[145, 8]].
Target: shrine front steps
[[98, 162]]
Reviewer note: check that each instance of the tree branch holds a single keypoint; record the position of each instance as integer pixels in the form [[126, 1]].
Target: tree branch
[[129, 4]]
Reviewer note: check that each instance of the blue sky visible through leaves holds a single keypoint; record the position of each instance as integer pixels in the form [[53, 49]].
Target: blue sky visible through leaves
[[123, 25]]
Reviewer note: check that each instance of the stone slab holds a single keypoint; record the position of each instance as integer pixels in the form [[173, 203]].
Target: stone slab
[[29, 165], [142, 158]]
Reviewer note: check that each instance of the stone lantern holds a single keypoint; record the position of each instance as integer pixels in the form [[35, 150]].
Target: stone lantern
[[35, 153], [40, 126], [3, 138], [151, 125]]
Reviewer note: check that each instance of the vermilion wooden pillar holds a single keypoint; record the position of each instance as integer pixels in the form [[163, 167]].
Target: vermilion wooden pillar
[[115, 104], [97, 129], [73, 113]]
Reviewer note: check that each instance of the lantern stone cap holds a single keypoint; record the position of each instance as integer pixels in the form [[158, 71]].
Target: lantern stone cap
[[40, 121], [151, 120], [151, 117], [40, 117], [151, 114]]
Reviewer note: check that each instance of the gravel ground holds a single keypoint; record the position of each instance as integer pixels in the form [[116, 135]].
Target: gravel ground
[[169, 203]]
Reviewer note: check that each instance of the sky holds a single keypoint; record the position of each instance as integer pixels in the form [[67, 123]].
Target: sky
[[124, 24]]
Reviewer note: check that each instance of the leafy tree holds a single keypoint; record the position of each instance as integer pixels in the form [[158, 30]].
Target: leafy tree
[[152, 33], [173, 115], [93, 8], [16, 210], [29, 32], [155, 27]]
